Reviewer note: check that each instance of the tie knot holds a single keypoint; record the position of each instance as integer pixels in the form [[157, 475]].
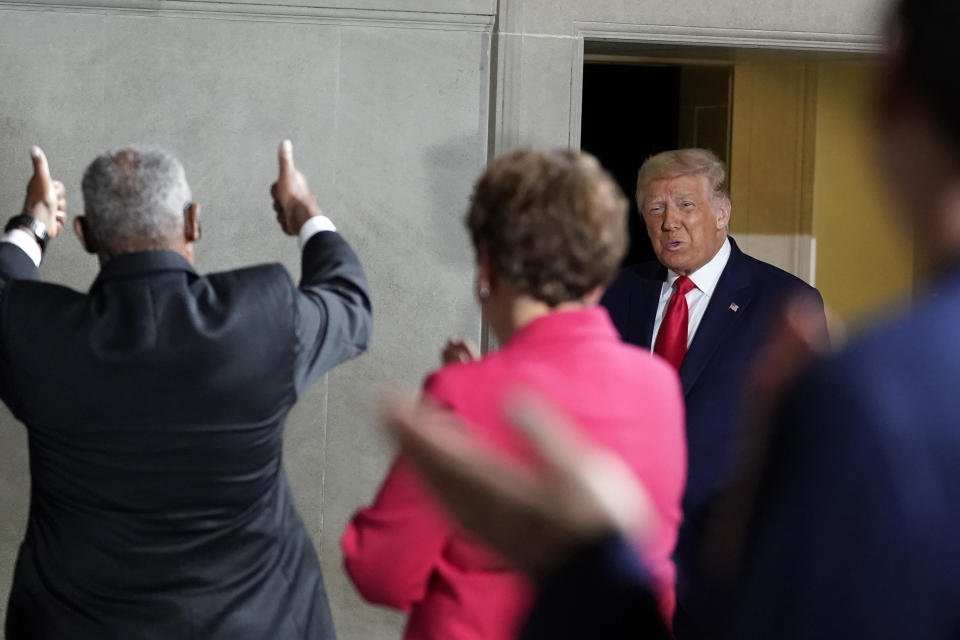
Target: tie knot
[[684, 285]]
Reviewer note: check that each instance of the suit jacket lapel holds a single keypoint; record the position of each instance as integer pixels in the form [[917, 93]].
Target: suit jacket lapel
[[733, 288], [643, 309]]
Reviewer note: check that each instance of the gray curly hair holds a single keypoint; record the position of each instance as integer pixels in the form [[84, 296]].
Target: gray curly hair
[[134, 194]]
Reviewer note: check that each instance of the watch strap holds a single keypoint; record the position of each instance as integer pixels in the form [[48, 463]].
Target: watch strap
[[36, 227]]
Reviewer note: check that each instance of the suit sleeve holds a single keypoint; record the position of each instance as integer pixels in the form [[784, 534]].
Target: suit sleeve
[[392, 547], [15, 264], [836, 543], [334, 314], [602, 591]]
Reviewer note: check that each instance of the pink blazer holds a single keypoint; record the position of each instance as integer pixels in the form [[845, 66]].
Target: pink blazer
[[403, 552]]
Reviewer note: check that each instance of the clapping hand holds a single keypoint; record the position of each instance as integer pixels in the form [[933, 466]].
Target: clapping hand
[[797, 338], [579, 493], [458, 350], [46, 199]]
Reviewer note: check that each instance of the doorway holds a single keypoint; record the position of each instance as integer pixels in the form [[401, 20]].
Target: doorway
[[793, 128]]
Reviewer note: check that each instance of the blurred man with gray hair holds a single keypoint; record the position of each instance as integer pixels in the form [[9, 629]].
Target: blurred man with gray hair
[[155, 405], [704, 306]]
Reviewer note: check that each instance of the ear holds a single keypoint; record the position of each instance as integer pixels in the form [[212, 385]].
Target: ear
[[723, 213], [191, 223], [485, 271], [86, 240]]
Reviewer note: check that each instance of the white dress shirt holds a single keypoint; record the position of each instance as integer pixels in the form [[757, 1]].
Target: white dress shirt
[[705, 282], [312, 227], [26, 241]]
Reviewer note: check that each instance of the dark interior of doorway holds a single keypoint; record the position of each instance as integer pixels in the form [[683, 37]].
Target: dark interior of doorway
[[629, 113]]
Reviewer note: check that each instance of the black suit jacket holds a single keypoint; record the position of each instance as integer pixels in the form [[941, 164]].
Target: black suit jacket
[[736, 320], [154, 406]]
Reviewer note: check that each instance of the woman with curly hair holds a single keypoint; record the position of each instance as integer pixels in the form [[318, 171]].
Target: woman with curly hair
[[549, 231]]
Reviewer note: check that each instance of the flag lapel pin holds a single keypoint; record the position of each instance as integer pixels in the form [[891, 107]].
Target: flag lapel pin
[[734, 307]]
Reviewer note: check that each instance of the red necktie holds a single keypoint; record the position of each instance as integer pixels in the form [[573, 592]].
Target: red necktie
[[672, 339]]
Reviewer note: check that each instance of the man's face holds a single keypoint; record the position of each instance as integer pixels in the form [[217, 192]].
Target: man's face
[[686, 225]]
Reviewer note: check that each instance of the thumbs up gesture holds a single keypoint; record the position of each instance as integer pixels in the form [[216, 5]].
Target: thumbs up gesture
[[292, 199], [46, 199]]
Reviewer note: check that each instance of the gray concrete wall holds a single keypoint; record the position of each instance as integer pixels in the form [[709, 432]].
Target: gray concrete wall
[[387, 102], [388, 112]]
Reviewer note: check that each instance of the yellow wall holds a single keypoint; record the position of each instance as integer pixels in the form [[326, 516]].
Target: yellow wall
[[770, 157], [863, 260], [801, 167]]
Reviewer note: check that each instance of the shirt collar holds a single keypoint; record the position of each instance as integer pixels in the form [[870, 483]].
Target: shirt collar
[[142, 263], [706, 277]]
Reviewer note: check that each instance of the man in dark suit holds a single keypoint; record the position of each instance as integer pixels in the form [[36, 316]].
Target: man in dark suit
[[155, 405], [710, 333]]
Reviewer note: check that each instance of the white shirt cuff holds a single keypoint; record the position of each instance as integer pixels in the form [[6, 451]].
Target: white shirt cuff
[[26, 241], [311, 227]]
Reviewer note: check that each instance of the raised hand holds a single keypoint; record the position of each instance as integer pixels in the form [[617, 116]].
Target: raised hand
[[798, 337], [292, 199], [579, 492], [46, 199]]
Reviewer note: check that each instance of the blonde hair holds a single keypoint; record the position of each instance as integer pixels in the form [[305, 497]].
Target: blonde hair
[[682, 162]]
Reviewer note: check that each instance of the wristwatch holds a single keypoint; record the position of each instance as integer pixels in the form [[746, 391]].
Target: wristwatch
[[23, 221]]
